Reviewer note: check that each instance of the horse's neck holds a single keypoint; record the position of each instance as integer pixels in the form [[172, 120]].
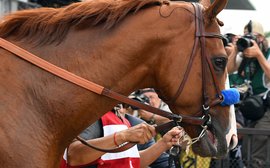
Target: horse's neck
[[115, 64], [62, 108], [115, 61]]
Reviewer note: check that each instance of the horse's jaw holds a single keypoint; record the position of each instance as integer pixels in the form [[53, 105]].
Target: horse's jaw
[[213, 143]]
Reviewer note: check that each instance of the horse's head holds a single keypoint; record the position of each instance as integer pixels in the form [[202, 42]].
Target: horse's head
[[194, 80]]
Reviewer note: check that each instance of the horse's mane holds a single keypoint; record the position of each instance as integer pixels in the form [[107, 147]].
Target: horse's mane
[[48, 25]]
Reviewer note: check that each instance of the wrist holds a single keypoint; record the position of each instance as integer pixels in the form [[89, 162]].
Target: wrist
[[260, 56], [163, 144], [119, 138], [152, 119], [115, 139]]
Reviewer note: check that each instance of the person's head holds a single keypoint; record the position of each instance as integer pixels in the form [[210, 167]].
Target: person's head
[[120, 108], [154, 100], [255, 28]]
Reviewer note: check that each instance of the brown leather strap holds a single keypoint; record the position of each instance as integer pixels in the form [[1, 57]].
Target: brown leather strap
[[50, 67], [181, 87], [120, 148], [200, 32], [200, 35]]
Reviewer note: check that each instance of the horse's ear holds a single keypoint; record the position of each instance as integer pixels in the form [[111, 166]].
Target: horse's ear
[[214, 8], [205, 3]]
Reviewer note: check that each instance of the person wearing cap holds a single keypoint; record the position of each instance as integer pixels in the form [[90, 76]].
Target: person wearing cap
[[258, 50], [156, 102], [251, 69]]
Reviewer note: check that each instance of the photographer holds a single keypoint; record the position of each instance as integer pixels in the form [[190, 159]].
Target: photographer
[[154, 101], [250, 70], [234, 58], [149, 96]]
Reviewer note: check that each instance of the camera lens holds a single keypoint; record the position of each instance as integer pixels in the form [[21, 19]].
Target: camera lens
[[243, 43]]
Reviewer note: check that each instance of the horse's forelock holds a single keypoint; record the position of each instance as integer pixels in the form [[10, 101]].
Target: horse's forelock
[[48, 25]]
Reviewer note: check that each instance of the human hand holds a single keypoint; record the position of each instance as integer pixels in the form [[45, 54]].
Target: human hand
[[173, 137], [231, 50], [140, 133], [253, 51]]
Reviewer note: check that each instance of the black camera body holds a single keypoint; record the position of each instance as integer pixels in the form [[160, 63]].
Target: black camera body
[[227, 38], [245, 42], [138, 96]]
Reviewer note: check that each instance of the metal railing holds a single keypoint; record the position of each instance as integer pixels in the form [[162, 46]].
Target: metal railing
[[248, 134], [246, 161]]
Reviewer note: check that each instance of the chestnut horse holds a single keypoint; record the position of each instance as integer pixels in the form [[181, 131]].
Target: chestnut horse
[[122, 45]]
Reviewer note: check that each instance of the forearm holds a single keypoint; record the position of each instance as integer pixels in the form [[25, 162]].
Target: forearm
[[153, 118], [231, 65], [160, 120], [80, 154], [150, 154], [232, 51], [264, 64]]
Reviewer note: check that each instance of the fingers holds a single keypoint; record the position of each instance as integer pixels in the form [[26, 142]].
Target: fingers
[[174, 136], [252, 51], [149, 132], [141, 133]]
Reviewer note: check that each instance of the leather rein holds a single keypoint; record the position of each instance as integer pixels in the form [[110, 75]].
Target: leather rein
[[203, 121]]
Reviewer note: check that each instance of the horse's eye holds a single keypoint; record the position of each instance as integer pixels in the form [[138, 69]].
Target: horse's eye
[[219, 63]]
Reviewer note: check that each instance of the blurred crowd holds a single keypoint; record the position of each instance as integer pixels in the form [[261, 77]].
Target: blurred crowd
[[249, 72]]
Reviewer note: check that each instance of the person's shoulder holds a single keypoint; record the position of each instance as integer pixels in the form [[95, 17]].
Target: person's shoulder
[[133, 120], [165, 107], [93, 131]]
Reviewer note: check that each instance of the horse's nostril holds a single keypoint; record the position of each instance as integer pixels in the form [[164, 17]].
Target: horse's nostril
[[233, 142]]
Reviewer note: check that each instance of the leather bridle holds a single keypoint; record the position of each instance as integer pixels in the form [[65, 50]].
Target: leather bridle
[[200, 36]]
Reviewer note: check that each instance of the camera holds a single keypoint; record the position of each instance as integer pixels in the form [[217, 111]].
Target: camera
[[245, 42], [138, 96], [227, 38]]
